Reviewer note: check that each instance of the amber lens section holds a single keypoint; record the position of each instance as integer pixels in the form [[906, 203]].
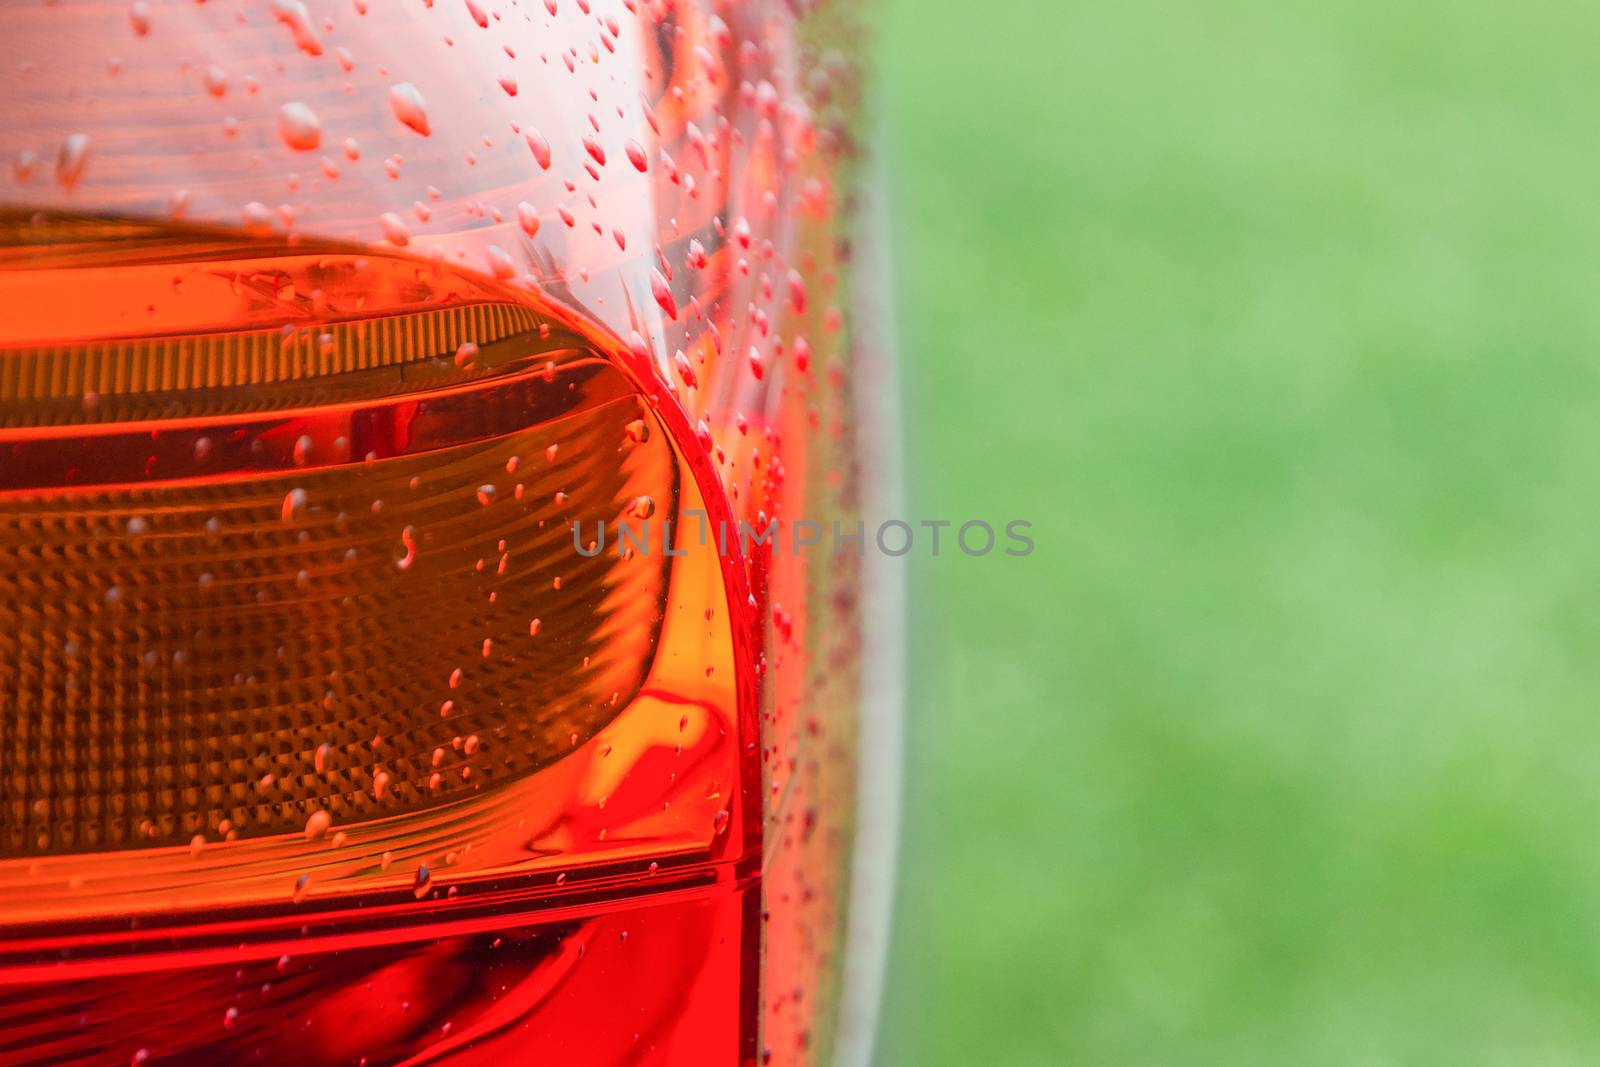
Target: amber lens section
[[290, 595]]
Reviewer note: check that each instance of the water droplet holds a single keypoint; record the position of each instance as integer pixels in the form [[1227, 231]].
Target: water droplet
[[501, 263], [394, 228], [596, 152], [257, 219], [797, 292], [509, 84], [408, 541], [684, 368], [294, 504], [467, 356], [663, 294], [420, 885], [299, 126], [636, 155], [539, 147], [293, 14], [72, 158], [408, 106], [478, 14], [139, 18], [528, 218], [317, 825]]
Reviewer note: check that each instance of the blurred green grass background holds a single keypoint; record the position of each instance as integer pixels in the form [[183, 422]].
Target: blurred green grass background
[[1281, 322]]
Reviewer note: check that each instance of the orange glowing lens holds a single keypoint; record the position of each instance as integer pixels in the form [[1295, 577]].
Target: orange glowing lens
[[295, 623]]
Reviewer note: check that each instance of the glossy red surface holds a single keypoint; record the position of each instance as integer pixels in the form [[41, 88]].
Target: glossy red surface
[[479, 992], [348, 314]]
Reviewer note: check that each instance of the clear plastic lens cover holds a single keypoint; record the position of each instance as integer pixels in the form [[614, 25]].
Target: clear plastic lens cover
[[337, 341]]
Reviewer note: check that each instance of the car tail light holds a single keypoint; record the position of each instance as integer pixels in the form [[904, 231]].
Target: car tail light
[[334, 726]]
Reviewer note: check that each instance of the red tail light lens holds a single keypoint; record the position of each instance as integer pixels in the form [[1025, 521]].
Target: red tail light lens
[[322, 734], [298, 623]]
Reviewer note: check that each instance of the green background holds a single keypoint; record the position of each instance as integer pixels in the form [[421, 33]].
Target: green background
[[1281, 322]]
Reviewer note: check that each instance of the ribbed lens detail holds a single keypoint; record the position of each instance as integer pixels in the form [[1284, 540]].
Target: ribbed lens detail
[[185, 660], [291, 597]]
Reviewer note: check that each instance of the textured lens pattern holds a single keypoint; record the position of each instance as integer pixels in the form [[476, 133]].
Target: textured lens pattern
[[112, 320], [235, 657], [285, 538]]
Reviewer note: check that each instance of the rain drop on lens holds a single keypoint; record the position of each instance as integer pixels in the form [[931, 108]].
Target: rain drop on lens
[[335, 334]]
